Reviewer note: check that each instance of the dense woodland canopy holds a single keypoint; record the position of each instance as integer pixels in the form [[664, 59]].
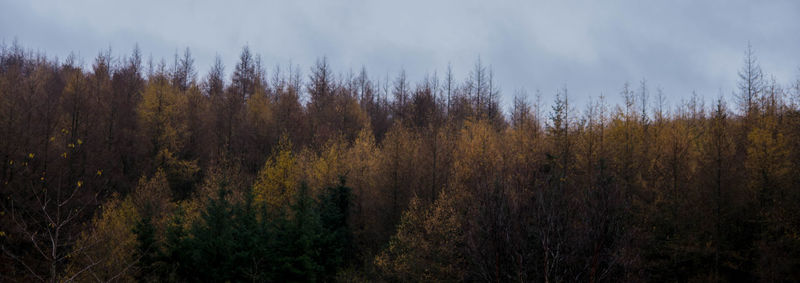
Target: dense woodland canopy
[[148, 171]]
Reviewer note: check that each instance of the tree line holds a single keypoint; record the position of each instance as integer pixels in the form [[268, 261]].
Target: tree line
[[147, 171]]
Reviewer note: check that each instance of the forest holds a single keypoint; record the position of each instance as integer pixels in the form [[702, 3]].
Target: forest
[[135, 170]]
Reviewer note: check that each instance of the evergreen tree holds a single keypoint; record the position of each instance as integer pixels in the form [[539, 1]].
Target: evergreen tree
[[336, 241], [299, 237]]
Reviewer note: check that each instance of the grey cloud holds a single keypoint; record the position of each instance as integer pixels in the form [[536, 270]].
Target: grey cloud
[[589, 46]]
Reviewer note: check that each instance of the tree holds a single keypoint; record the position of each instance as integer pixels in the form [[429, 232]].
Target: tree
[[320, 89], [161, 118], [368, 202], [160, 115], [336, 243], [214, 88], [558, 129], [398, 169], [428, 245], [300, 236], [750, 83], [127, 84], [213, 242], [288, 115], [278, 180], [183, 73], [47, 193], [718, 159], [95, 257], [401, 94]]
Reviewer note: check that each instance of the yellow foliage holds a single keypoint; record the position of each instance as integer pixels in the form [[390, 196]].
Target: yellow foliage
[[354, 118], [176, 169], [362, 162], [478, 155], [259, 111], [324, 169], [524, 147], [160, 113], [153, 194], [227, 175], [401, 171], [110, 243], [426, 246], [767, 155], [278, 179]]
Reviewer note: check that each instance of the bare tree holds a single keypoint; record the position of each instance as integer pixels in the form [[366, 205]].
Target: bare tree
[[751, 82]]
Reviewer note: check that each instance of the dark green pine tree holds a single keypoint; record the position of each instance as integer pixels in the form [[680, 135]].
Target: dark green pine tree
[[254, 256], [298, 240], [213, 243], [336, 242], [176, 251], [147, 250]]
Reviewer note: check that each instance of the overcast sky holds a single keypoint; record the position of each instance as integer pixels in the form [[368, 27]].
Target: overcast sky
[[588, 46]]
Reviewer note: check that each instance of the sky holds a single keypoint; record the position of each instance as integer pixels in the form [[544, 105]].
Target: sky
[[589, 47]]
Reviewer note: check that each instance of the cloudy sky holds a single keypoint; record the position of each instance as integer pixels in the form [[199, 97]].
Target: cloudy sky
[[591, 47]]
